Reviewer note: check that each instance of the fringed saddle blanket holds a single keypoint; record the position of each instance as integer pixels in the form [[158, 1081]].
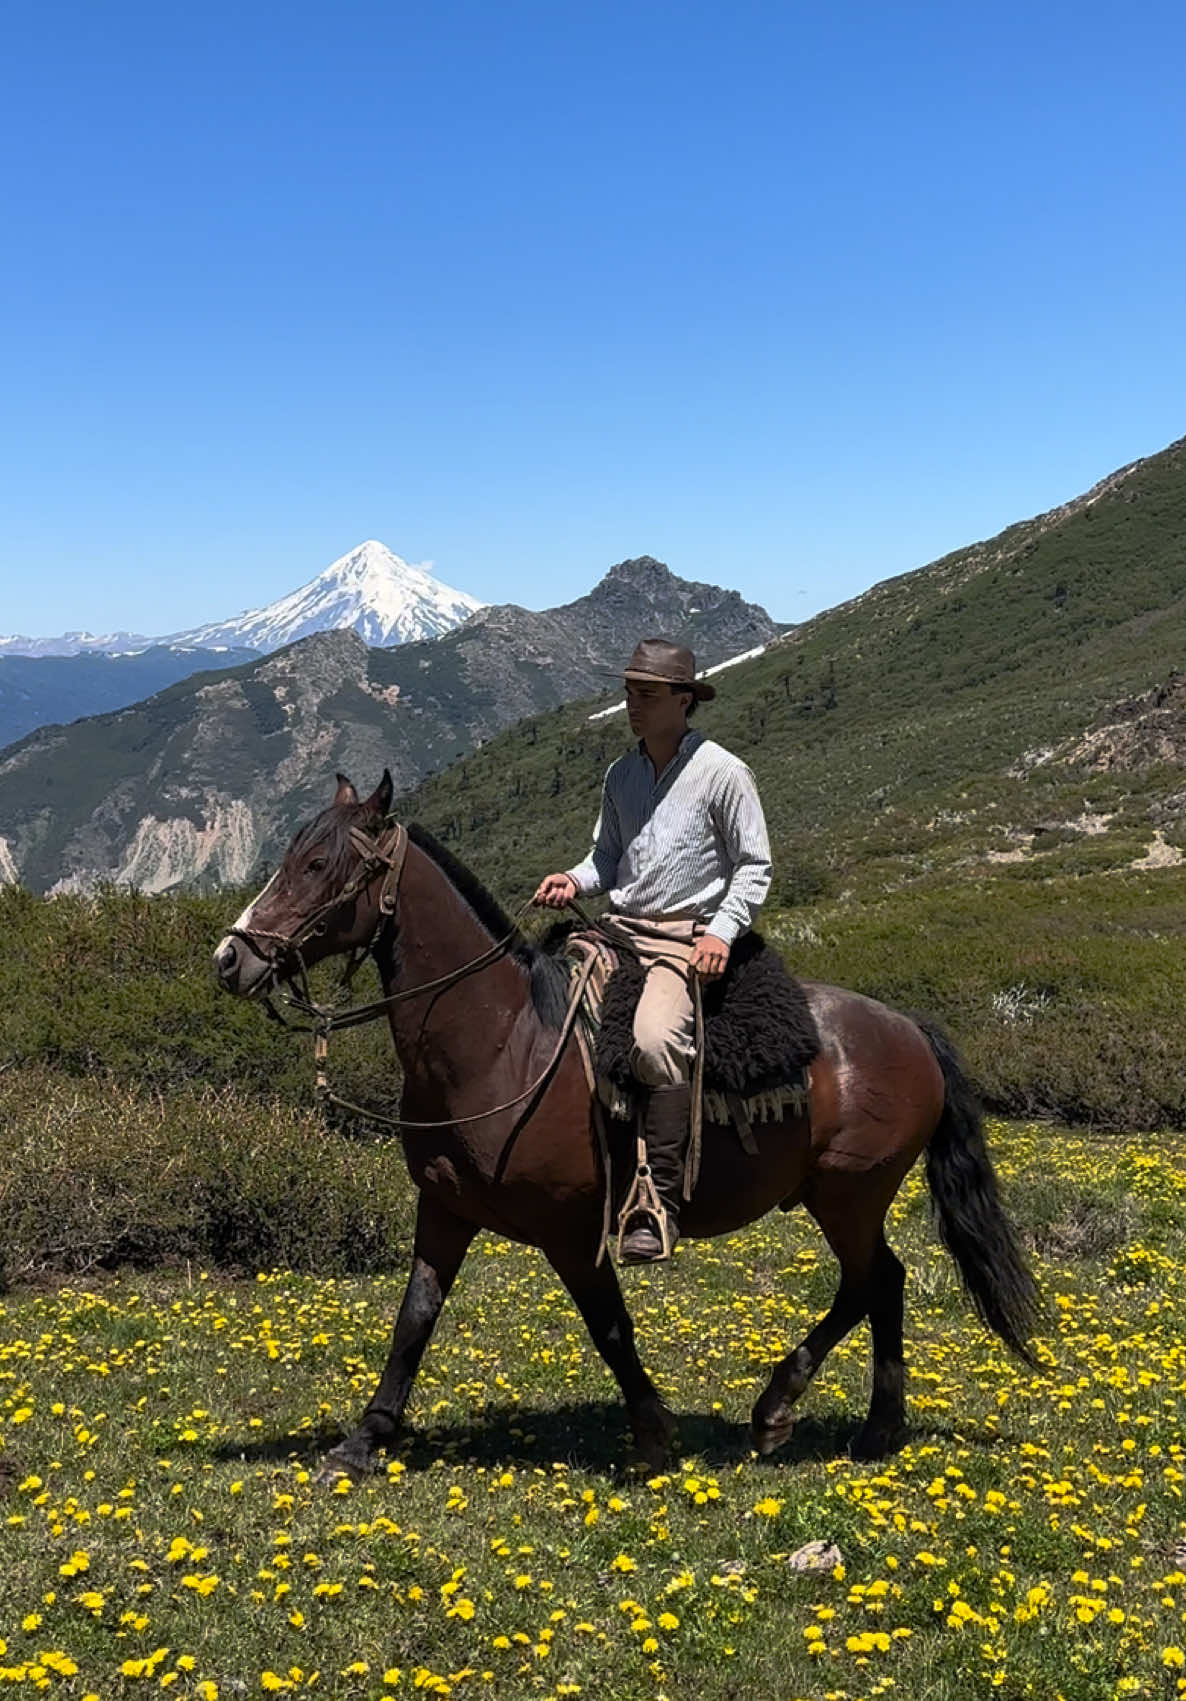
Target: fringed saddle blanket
[[759, 1034]]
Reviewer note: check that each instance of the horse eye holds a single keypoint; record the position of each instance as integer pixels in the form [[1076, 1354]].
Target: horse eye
[[317, 865]]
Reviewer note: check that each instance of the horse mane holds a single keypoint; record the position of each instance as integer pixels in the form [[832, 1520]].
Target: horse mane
[[547, 971]]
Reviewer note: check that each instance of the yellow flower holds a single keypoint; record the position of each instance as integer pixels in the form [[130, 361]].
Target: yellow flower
[[768, 1508], [623, 1563], [59, 1662]]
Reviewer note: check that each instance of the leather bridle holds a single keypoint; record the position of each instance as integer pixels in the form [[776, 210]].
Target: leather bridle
[[385, 854]]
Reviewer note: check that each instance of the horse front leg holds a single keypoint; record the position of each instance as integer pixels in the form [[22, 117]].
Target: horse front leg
[[441, 1243], [598, 1298]]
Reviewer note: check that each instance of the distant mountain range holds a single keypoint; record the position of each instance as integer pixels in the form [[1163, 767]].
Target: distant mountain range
[[1012, 712], [205, 780], [369, 591], [39, 690]]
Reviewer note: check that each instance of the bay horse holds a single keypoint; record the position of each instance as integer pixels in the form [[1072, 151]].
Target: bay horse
[[476, 1018]]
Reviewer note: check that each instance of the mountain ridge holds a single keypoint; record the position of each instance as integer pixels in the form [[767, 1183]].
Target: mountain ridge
[[202, 780], [43, 690], [889, 734]]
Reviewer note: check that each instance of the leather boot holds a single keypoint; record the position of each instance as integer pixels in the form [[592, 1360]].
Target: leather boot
[[666, 1125]]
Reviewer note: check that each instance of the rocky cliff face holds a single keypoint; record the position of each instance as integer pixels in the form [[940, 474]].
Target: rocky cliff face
[[204, 782]]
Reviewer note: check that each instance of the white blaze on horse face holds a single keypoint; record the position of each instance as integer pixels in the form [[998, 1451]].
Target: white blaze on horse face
[[242, 922]]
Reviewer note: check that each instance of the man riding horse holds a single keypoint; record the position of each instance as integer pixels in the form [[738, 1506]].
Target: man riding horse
[[681, 847]]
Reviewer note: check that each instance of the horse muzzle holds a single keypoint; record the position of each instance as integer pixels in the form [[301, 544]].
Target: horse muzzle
[[240, 968]]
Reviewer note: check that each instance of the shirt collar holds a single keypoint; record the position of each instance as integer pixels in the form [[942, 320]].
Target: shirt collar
[[683, 749], [689, 742]]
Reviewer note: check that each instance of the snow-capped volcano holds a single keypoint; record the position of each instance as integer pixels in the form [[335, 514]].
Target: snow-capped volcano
[[385, 600]]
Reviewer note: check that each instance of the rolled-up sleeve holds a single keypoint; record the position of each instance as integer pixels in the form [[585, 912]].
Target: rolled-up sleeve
[[599, 870], [737, 815]]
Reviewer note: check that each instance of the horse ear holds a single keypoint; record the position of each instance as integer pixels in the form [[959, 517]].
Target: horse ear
[[379, 802], [345, 792]]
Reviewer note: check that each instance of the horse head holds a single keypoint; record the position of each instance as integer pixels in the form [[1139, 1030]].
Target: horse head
[[323, 900]]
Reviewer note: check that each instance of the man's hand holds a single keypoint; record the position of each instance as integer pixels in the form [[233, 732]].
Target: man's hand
[[555, 891], [709, 957]]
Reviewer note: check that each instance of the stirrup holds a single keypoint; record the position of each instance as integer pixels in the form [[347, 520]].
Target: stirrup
[[643, 1207]]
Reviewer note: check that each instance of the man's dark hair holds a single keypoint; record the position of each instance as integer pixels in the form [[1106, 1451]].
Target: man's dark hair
[[682, 690]]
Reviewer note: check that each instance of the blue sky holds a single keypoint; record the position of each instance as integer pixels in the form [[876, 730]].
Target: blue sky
[[793, 297]]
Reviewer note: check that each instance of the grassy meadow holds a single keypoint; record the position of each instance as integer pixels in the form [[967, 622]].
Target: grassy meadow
[[198, 1277], [159, 1528]]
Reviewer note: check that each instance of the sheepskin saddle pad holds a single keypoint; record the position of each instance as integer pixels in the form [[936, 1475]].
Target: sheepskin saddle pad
[[759, 1037]]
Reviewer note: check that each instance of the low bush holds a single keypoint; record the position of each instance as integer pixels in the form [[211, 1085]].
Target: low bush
[[96, 1175], [123, 985], [1064, 996]]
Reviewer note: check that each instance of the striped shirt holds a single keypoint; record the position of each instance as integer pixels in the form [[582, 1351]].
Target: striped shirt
[[690, 845]]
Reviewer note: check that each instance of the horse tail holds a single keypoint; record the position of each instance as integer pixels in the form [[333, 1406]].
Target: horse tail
[[967, 1207]]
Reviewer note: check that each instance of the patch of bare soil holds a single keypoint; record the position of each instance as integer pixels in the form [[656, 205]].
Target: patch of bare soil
[[1159, 854]]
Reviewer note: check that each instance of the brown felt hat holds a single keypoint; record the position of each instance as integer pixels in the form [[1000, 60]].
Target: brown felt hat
[[660, 659]]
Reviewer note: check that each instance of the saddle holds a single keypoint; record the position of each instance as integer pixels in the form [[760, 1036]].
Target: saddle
[[759, 1034]]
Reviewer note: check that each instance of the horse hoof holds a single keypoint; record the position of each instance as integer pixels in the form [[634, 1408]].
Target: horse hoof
[[338, 1464], [652, 1444], [648, 1457], [769, 1437], [878, 1441]]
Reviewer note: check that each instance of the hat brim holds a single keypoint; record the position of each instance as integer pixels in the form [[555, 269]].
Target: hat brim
[[700, 688]]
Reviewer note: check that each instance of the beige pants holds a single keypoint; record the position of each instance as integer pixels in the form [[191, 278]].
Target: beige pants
[[664, 1022]]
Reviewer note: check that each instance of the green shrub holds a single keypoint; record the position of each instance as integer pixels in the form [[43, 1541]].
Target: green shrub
[[1065, 996], [123, 985], [95, 1175]]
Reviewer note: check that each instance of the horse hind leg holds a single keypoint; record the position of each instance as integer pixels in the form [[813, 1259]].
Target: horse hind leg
[[773, 1418], [871, 1284], [884, 1430]]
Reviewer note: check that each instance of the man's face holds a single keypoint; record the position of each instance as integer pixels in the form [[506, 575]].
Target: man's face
[[656, 711]]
